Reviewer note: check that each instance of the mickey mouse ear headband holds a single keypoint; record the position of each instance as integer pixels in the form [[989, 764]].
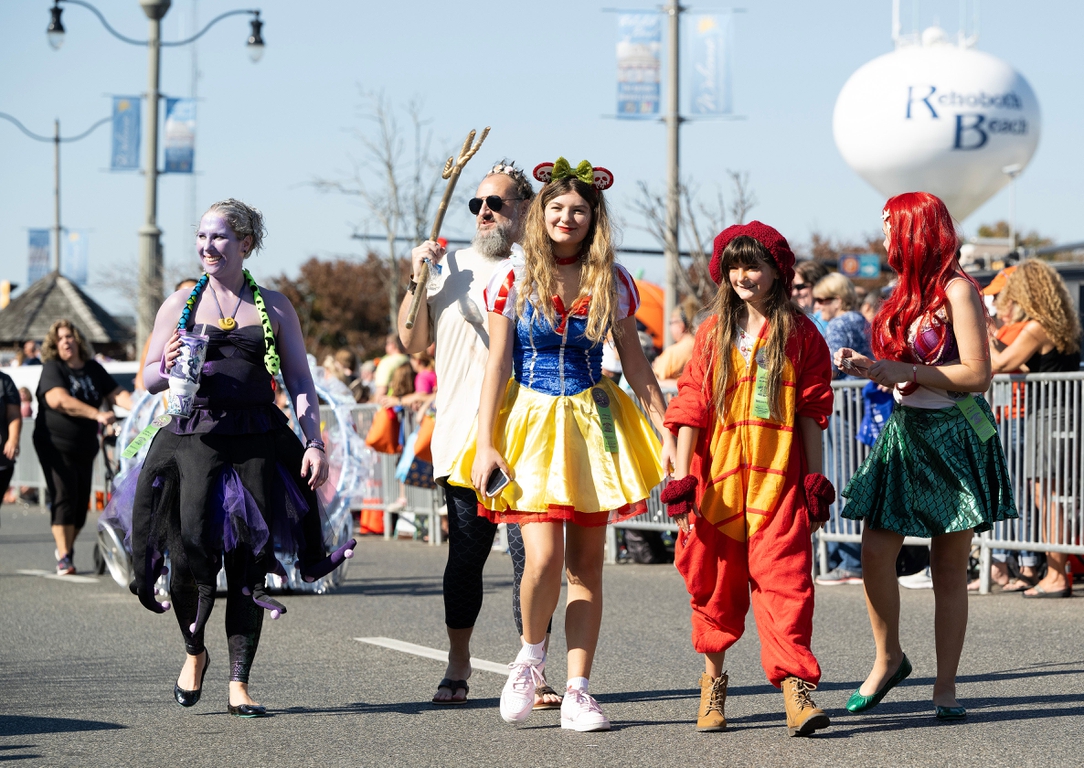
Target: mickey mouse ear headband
[[600, 178]]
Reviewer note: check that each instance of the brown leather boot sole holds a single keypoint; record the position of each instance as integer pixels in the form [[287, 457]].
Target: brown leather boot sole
[[815, 722]]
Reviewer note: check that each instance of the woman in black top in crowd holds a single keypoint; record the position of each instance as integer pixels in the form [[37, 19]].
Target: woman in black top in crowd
[[1048, 343], [11, 424], [71, 392]]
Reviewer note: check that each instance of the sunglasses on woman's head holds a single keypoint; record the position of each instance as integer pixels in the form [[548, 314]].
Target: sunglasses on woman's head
[[494, 202]]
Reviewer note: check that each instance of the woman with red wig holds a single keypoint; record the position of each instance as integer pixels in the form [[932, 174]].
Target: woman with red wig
[[936, 470]]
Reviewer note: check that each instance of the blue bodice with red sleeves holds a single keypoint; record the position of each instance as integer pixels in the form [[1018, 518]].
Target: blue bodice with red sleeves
[[561, 361]]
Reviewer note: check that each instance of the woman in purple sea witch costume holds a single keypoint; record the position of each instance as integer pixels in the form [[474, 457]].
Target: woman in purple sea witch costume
[[225, 478]]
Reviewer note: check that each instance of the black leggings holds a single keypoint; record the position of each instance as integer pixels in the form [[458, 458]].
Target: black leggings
[[68, 477], [180, 517], [244, 619], [5, 480], [470, 540]]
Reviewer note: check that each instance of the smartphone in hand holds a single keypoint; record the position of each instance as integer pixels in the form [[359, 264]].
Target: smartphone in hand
[[496, 482]]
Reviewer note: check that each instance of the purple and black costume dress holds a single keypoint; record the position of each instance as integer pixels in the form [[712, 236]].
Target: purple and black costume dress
[[222, 487]]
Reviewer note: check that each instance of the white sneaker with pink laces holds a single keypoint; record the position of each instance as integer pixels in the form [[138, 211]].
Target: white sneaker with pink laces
[[517, 698], [580, 712]]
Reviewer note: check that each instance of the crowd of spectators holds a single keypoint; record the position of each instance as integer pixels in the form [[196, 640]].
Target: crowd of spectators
[[394, 380]]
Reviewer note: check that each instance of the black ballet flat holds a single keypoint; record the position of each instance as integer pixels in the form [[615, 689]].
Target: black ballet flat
[[190, 698], [246, 710]]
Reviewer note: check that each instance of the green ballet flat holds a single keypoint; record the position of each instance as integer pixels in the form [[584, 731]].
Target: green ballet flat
[[860, 703], [951, 713]]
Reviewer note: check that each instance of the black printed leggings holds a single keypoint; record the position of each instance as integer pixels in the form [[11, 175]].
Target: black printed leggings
[[470, 540], [244, 619]]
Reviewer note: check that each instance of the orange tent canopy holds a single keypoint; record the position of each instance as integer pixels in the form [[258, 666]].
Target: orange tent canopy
[[651, 312]]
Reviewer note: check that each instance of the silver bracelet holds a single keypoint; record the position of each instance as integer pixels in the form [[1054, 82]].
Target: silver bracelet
[[317, 444]]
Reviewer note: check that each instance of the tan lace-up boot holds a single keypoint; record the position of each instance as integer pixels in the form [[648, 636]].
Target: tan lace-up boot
[[803, 716], [712, 701]]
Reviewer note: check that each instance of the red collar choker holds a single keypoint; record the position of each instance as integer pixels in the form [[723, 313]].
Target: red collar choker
[[564, 262]]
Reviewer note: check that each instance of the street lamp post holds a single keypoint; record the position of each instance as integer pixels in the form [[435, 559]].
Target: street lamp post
[[150, 248], [673, 184], [1012, 171], [56, 140]]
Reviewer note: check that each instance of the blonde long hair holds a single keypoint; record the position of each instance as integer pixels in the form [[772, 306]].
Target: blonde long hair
[[1039, 291], [781, 315], [597, 278]]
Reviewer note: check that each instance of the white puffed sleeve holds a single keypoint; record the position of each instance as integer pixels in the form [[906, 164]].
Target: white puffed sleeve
[[628, 298], [500, 293]]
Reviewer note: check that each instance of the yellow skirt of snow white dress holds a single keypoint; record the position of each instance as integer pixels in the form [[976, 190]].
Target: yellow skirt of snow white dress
[[561, 468]]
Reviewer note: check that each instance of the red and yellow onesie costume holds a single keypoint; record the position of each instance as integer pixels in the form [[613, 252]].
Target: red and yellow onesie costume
[[755, 526]]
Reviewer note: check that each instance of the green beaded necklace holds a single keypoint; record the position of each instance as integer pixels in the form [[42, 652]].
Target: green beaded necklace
[[270, 359]]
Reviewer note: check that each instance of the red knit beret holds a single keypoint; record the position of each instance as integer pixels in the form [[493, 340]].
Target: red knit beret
[[769, 237]]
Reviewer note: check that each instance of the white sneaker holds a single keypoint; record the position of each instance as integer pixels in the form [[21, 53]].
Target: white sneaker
[[517, 698], [920, 580], [580, 712]]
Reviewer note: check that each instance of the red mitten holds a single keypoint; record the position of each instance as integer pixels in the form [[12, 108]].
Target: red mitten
[[679, 495], [819, 495]]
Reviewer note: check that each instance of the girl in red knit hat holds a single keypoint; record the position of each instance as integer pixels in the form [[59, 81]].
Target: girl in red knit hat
[[748, 489]]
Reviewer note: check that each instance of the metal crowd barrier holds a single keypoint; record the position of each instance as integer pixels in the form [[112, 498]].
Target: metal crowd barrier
[[1039, 420], [1053, 405], [1033, 411], [424, 506]]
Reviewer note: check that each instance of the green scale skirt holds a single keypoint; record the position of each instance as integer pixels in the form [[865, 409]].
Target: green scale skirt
[[929, 474]]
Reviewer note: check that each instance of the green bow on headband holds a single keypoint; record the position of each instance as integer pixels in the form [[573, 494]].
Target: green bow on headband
[[585, 172]]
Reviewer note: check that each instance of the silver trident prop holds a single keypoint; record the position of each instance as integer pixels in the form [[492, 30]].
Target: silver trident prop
[[451, 172]]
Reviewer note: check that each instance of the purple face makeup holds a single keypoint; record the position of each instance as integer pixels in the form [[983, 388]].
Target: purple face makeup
[[220, 251]]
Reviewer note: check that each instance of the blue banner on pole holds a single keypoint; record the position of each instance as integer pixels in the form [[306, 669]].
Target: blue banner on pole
[[180, 135], [73, 257], [125, 133], [38, 256], [711, 44], [639, 43]]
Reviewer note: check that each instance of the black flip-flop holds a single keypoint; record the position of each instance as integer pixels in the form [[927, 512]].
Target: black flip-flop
[[1023, 583], [453, 686], [1041, 593], [541, 692]]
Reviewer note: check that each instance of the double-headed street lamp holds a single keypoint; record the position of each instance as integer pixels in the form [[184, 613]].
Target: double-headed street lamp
[[150, 252]]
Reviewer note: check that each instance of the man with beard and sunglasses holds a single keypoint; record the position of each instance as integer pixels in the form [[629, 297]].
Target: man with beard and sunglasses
[[457, 321]]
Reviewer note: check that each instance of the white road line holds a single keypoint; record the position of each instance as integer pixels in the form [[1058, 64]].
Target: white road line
[[430, 653], [58, 577]]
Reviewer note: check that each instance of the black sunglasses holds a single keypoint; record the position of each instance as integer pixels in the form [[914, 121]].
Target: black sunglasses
[[495, 203]]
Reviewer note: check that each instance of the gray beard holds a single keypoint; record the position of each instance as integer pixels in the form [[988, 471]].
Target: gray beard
[[496, 244]]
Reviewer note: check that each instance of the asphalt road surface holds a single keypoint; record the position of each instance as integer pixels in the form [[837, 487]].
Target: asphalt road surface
[[86, 677]]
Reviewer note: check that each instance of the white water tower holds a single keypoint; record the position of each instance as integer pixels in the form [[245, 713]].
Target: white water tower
[[939, 116]]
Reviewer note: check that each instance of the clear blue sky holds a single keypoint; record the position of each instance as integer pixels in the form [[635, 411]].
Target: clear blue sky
[[541, 74]]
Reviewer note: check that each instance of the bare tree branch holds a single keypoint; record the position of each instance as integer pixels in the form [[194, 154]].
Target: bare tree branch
[[744, 197], [698, 224], [396, 192]]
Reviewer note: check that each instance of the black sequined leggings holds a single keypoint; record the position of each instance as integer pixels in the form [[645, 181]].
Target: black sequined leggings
[[244, 619], [470, 540]]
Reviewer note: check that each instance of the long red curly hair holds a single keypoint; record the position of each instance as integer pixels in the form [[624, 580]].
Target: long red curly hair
[[922, 246]]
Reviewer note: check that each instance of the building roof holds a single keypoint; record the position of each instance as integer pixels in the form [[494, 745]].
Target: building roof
[[53, 297]]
